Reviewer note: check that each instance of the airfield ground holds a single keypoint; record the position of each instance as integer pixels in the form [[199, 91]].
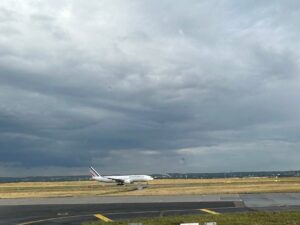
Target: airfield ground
[[77, 210], [155, 187]]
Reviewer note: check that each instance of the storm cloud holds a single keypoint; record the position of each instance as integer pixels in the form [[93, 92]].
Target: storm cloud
[[148, 86]]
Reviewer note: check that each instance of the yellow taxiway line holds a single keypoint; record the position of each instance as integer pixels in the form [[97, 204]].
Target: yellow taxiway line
[[32, 222], [49, 219], [103, 218], [210, 211]]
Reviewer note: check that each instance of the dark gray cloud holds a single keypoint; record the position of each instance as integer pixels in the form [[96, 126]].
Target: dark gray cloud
[[139, 86]]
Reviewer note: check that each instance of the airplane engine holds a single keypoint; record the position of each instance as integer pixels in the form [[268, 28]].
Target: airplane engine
[[127, 181]]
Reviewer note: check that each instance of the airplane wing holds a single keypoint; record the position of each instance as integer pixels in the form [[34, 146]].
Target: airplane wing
[[119, 181]]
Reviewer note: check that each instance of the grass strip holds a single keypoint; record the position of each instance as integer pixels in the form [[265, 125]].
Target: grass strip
[[253, 218]]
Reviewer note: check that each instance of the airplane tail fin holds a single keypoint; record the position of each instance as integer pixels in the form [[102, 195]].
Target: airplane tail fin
[[94, 173]]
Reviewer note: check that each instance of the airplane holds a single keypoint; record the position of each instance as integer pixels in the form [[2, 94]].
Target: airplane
[[120, 180]]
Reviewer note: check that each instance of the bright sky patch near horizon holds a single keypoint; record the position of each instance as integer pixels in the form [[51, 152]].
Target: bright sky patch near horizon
[[148, 86]]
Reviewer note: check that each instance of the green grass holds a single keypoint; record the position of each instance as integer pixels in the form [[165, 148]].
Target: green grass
[[253, 218]]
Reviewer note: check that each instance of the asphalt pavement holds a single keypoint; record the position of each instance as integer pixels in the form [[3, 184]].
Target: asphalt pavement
[[74, 211]]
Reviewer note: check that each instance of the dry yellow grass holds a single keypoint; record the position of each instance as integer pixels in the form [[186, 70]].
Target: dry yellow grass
[[156, 187]]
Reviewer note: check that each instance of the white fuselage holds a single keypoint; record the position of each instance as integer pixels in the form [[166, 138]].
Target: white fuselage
[[125, 179]]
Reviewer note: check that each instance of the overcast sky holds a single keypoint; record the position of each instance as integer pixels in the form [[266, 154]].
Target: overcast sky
[[144, 86]]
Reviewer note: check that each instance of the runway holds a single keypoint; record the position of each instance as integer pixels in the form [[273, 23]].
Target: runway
[[74, 211]]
